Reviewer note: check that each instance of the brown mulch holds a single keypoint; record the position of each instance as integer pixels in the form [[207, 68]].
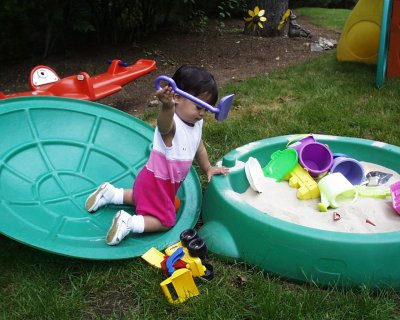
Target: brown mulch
[[230, 56]]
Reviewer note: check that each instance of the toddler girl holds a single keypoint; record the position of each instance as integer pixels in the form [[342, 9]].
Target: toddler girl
[[177, 141]]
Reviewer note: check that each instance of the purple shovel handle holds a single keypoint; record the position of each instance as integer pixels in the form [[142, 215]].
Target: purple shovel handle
[[221, 112]]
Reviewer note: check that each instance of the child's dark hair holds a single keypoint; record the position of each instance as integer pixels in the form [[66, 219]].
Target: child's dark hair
[[196, 80]]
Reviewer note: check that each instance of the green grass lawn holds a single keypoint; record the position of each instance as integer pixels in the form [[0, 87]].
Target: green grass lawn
[[321, 96], [332, 18]]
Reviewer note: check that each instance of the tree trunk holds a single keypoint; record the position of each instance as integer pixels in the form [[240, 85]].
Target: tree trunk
[[274, 12]]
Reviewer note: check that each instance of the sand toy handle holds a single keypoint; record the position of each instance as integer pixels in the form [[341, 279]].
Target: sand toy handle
[[221, 112], [184, 94]]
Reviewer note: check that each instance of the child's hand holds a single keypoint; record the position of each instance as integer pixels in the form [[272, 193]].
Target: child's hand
[[166, 96], [216, 170]]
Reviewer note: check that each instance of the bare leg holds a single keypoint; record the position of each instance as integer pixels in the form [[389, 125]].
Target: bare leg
[[128, 197], [152, 224]]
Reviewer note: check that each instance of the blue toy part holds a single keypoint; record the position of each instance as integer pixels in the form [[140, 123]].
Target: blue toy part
[[221, 111], [383, 43], [120, 63], [338, 154], [178, 254]]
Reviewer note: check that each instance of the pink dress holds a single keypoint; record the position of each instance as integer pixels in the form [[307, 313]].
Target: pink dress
[[156, 185]]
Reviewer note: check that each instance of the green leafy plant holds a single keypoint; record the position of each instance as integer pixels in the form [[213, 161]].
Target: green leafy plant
[[225, 10], [196, 21]]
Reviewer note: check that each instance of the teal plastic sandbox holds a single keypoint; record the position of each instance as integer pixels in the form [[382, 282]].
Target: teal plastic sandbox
[[235, 230], [56, 151]]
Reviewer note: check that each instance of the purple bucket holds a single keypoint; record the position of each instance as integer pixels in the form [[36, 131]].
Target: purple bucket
[[299, 144], [350, 168], [316, 158]]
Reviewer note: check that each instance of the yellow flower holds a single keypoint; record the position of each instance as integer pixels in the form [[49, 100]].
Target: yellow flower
[[284, 19], [256, 18]]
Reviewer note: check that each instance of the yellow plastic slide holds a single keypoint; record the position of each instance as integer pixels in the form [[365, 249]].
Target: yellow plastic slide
[[360, 37]]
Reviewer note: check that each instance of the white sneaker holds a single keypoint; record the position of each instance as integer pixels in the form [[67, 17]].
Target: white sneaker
[[119, 228], [97, 199]]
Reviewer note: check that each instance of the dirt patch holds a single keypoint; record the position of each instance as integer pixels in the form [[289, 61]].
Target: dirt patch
[[230, 56]]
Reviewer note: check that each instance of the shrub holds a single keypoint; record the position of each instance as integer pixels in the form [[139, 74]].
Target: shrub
[[344, 4]]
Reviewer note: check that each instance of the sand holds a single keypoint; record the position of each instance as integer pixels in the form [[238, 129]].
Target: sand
[[365, 215]]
